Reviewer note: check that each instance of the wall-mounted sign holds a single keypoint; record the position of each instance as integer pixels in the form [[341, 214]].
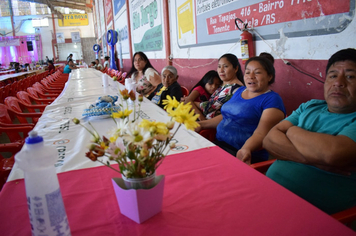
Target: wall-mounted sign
[[74, 20], [212, 22], [10, 42], [108, 11], [118, 4], [60, 38], [121, 27], [75, 37], [146, 25]]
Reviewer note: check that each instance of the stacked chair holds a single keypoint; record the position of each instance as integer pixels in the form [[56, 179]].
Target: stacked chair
[[21, 105]]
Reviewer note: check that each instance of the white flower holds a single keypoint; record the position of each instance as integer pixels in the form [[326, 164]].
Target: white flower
[[137, 135], [120, 144], [122, 126], [95, 137], [126, 172]]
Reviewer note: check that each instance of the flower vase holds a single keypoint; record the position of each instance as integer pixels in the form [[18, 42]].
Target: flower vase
[[140, 183], [139, 204]]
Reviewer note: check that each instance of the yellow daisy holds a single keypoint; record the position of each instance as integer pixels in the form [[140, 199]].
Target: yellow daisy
[[170, 103], [122, 114]]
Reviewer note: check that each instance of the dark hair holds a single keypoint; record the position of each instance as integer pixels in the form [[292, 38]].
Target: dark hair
[[50, 61], [235, 63], [133, 69], [107, 57], [348, 54], [208, 78], [93, 62], [266, 64], [70, 60], [268, 56]]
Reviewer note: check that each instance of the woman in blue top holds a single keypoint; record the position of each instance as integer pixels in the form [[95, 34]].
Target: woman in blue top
[[248, 116], [69, 67]]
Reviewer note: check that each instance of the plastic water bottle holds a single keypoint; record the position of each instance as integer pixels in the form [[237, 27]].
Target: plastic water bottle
[[44, 198]]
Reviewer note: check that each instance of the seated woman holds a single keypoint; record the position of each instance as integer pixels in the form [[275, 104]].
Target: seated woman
[[230, 73], [106, 62], [146, 82], [169, 86], [69, 67], [92, 64], [98, 66], [51, 67], [202, 91], [248, 116]]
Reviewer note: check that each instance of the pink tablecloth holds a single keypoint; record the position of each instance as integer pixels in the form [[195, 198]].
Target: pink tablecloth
[[207, 192]]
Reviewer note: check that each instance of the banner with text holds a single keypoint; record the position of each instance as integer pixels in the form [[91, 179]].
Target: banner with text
[[74, 20], [146, 25], [213, 21]]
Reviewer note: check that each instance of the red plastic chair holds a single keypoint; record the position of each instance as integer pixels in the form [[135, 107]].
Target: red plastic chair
[[262, 166], [6, 164], [185, 91], [18, 108], [209, 134], [51, 81], [12, 131], [52, 86], [35, 99], [13, 88], [2, 97], [46, 90], [28, 99], [7, 89], [38, 93], [29, 107]]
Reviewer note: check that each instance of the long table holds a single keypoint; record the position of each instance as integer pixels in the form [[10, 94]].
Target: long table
[[19, 75], [207, 191]]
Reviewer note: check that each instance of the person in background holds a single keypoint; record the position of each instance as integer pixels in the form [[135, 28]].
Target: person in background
[[146, 82], [98, 66], [315, 146], [70, 57], [202, 91], [268, 56], [69, 67], [230, 73], [106, 63], [47, 60], [248, 116], [17, 67], [169, 86], [92, 64], [51, 67]]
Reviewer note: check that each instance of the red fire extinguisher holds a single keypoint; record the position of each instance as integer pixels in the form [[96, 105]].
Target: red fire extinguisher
[[246, 41]]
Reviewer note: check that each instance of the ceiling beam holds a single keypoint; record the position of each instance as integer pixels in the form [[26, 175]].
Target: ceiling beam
[[51, 4]]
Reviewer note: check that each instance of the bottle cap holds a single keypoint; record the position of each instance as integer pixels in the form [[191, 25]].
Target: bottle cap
[[33, 138]]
